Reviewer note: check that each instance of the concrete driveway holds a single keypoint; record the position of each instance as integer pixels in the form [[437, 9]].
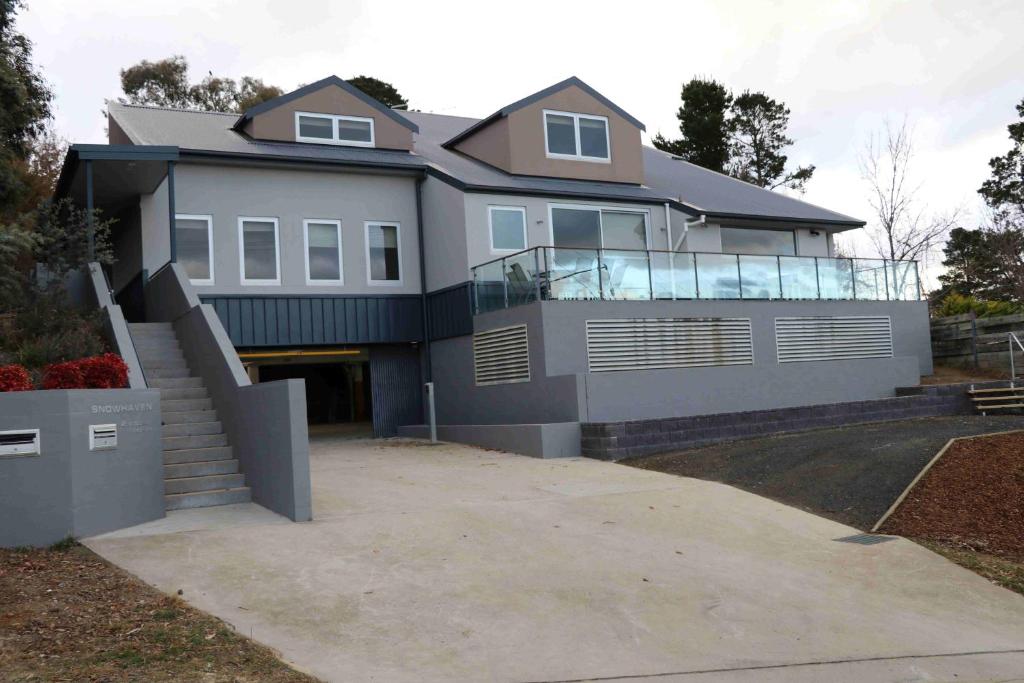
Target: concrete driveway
[[430, 563]]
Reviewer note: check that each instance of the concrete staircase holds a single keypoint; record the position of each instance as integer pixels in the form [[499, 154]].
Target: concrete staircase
[[997, 399], [199, 467]]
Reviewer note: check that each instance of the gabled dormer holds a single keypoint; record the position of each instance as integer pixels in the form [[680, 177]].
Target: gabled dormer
[[328, 112], [568, 130]]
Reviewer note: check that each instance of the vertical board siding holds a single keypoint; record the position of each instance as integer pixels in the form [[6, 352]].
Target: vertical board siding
[[450, 312], [394, 389], [253, 321]]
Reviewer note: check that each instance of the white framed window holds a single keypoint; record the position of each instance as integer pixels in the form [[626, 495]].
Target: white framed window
[[193, 238], [507, 226], [259, 250], [334, 129], [321, 240], [383, 253], [581, 137]]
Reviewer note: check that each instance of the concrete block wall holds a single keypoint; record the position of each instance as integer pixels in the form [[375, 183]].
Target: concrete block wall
[[618, 440]]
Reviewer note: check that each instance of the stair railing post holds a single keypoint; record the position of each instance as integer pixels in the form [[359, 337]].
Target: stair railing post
[[1013, 370]]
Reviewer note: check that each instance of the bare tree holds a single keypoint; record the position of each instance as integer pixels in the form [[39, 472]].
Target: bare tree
[[901, 229]]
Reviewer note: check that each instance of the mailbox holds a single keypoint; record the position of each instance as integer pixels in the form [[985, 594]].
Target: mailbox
[[102, 437], [19, 442]]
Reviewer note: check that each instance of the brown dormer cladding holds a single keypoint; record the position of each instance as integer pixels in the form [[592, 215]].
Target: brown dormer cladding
[[275, 119], [513, 139]]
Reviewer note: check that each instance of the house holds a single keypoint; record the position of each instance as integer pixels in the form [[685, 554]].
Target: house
[[542, 267]]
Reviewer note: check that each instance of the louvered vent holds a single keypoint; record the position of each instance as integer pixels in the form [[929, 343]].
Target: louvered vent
[[833, 338], [501, 356], [657, 343]]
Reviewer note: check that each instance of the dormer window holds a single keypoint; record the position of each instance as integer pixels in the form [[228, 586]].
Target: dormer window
[[581, 137], [333, 129]]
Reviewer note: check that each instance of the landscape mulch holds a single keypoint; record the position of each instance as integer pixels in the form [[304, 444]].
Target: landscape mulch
[[973, 497], [68, 615]]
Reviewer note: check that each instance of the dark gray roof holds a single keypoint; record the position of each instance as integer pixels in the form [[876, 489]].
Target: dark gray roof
[[539, 95], [313, 87], [212, 132], [689, 187], [714, 194]]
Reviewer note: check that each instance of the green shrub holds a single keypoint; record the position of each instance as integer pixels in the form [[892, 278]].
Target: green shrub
[[958, 304]]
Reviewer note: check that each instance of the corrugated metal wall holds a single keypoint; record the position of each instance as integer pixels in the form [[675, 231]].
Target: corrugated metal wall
[[305, 320], [450, 312], [395, 388]]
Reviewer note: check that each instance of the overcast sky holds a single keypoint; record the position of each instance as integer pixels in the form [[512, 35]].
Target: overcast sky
[[954, 68]]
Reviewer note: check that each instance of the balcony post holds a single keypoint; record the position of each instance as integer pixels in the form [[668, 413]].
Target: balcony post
[[600, 275], [739, 276], [650, 276], [853, 277], [504, 282], [536, 271], [778, 265], [885, 274], [817, 277], [696, 276], [917, 279], [476, 294]]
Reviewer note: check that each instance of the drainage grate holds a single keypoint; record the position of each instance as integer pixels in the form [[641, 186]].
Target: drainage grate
[[864, 539]]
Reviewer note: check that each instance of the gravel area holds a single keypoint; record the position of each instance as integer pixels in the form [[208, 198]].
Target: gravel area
[[849, 474]]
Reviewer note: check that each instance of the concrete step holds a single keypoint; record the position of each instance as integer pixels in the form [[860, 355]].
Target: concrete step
[[197, 455], [169, 373], [147, 355], [168, 363], [187, 392], [182, 501], [186, 404], [151, 326], [155, 336], [174, 382], [207, 483], [181, 443], [203, 468], [191, 429], [184, 417], [144, 350]]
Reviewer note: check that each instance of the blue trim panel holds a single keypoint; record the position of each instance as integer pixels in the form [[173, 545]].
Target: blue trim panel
[[450, 311], [313, 320]]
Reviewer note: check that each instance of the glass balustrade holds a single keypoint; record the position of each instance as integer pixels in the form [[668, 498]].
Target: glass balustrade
[[568, 274]]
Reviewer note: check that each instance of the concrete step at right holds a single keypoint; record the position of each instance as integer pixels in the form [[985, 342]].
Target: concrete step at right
[[203, 468], [186, 404], [182, 443], [169, 373], [183, 393], [183, 501], [198, 455], [169, 362], [151, 326], [208, 483], [191, 429], [174, 382], [184, 417], [168, 355]]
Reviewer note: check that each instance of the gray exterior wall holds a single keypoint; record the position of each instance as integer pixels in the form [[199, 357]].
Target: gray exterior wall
[[562, 390], [290, 195], [444, 227], [68, 490]]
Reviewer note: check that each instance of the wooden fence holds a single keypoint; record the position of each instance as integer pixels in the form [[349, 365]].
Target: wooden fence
[[969, 341]]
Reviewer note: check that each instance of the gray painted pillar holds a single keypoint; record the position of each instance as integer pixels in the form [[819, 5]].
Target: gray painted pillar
[[170, 211], [90, 229]]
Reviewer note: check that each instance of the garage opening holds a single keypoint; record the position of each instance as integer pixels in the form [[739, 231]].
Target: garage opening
[[359, 391], [337, 382]]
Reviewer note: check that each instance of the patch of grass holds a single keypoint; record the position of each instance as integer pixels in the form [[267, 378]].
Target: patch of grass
[[68, 615], [64, 545], [999, 570]]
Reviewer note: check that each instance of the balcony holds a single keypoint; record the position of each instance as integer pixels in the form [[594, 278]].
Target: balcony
[[569, 274]]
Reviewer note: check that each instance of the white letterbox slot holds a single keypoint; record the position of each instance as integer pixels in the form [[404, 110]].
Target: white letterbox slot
[[102, 437], [19, 442]]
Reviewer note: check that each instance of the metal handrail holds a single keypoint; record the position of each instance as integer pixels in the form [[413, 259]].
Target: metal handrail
[[1011, 338]]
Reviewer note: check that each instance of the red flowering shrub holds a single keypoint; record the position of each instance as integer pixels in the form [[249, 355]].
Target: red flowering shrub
[[98, 372], [64, 376], [104, 372], [14, 378]]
